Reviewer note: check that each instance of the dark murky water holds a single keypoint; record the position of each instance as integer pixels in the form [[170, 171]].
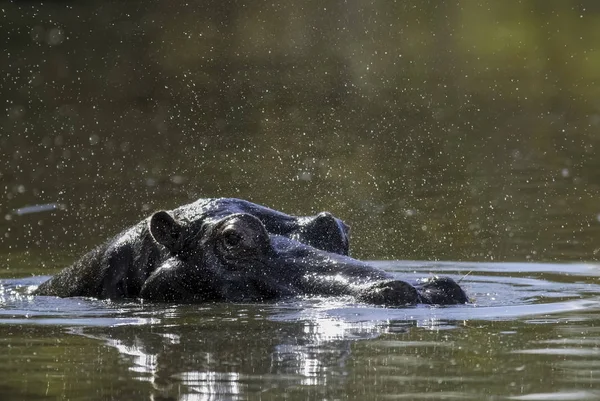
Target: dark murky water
[[461, 131], [530, 334]]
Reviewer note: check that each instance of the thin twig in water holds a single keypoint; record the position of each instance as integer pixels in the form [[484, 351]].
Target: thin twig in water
[[465, 276]]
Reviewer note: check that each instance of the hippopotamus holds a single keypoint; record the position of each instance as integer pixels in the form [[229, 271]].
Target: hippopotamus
[[232, 250]]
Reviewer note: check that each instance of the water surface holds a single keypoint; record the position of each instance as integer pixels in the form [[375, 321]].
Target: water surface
[[530, 333], [462, 131]]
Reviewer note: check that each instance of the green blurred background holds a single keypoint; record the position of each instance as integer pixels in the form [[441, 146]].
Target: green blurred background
[[464, 130]]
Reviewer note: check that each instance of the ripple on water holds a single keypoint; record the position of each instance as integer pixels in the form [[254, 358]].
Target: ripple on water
[[499, 291], [559, 396], [229, 351]]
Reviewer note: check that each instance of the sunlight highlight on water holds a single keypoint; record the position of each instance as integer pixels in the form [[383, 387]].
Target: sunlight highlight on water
[[330, 345]]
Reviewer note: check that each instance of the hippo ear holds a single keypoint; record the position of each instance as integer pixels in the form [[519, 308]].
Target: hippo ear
[[165, 230]]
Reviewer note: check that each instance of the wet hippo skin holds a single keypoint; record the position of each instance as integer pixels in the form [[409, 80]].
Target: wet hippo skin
[[232, 250]]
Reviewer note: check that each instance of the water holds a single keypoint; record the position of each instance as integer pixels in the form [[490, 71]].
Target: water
[[460, 131], [530, 333]]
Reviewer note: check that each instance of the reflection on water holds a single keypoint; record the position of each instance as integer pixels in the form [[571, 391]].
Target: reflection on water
[[207, 386], [530, 333], [439, 130]]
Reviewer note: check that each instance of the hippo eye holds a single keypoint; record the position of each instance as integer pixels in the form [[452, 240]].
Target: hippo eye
[[231, 238], [239, 237]]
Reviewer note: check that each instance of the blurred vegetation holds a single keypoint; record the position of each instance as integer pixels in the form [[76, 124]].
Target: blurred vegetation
[[440, 130]]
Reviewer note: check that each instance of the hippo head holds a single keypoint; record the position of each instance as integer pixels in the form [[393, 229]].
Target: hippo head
[[228, 249], [235, 258]]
